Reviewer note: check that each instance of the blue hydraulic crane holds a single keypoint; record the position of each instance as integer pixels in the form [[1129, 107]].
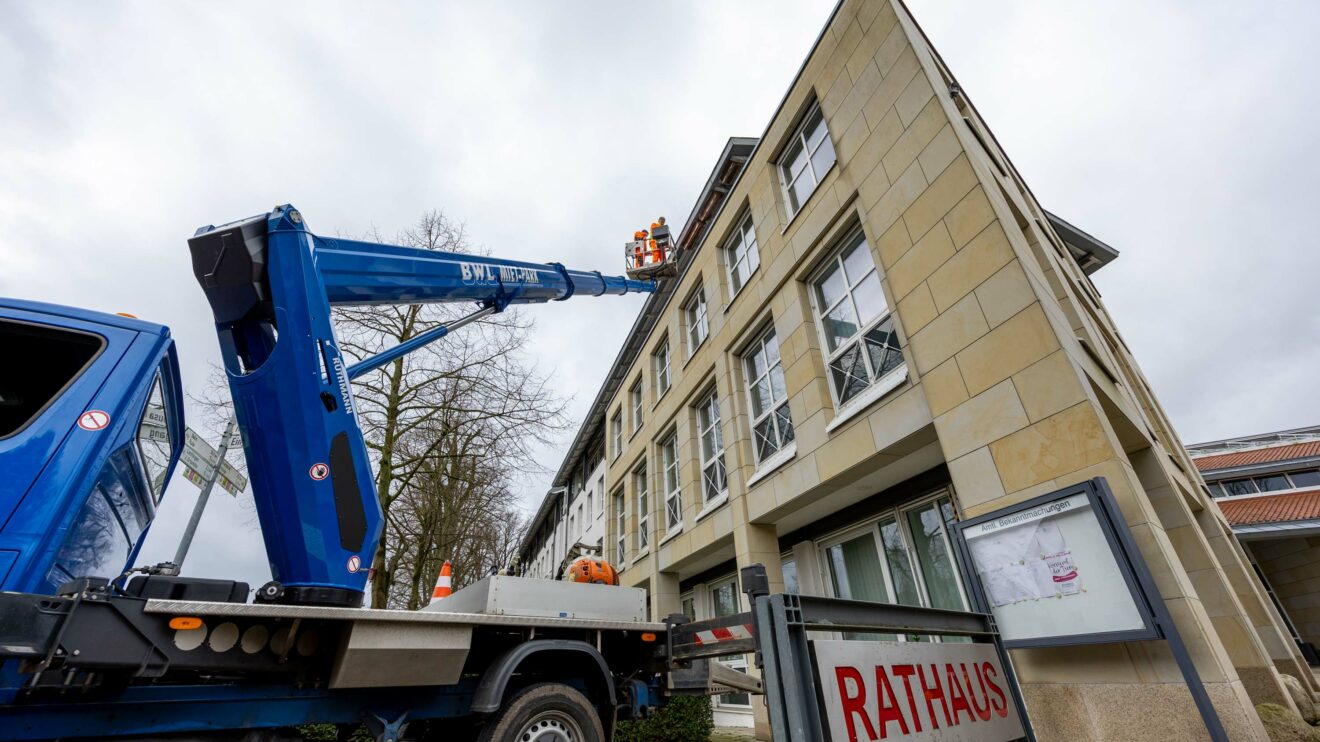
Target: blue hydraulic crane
[[91, 428], [271, 284]]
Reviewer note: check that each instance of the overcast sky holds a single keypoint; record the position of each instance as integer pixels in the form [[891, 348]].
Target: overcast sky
[[1179, 133]]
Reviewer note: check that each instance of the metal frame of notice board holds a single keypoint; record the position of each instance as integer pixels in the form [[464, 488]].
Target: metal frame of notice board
[[1158, 624]]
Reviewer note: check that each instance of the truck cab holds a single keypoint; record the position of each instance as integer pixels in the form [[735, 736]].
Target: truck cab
[[91, 425]]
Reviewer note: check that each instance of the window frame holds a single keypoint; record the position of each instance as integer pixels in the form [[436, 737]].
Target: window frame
[[855, 238], [800, 141], [641, 495], [750, 255], [621, 525], [696, 316], [871, 527], [662, 365], [157, 388], [709, 406], [671, 465], [616, 433], [751, 379], [636, 400]]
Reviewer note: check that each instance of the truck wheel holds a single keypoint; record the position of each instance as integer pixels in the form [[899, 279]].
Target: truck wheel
[[546, 712]]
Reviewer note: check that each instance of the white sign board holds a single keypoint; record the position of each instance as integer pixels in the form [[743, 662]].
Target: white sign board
[[1050, 572], [199, 457], [914, 691]]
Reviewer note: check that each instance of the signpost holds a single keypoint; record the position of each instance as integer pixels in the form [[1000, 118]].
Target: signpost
[[199, 459], [205, 466]]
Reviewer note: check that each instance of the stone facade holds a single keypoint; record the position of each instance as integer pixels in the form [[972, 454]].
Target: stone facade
[[1013, 382]]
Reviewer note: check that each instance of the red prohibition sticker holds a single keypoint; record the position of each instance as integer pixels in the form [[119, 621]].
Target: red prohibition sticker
[[94, 420], [354, 564], [318, 472]]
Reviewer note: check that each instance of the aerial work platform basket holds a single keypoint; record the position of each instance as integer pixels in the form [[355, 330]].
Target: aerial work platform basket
[[651, 257]]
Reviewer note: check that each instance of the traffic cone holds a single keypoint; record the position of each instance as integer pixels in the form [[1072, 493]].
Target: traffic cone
[[444, 586]]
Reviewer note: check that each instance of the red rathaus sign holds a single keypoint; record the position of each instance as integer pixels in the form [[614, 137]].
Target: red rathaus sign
[[914, 691]]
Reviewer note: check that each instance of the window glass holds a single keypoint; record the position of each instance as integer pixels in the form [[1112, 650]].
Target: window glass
[[635, 398], [662, 377], [791, 585], [1239, 487], [52, 359], [900, 569], [1305, 478], [620, 530], [643, 510], [687, 605], [742, 254], [772, 426], [855, 321], [698, 323], [1272, 483], [713, 475], [153, 440], [926, 524], [616, 433], [857, 574], [673, 500], [806, 160]]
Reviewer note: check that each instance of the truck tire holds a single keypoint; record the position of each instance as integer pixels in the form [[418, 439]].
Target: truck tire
[[545, 712]]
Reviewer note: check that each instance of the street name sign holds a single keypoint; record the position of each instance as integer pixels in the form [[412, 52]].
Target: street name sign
[[199, 459]]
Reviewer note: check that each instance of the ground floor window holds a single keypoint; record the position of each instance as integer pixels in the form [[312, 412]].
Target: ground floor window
[[724, 602], [904, 556]]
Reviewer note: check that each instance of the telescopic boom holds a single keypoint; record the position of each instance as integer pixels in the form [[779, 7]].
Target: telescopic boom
[[271, 283]]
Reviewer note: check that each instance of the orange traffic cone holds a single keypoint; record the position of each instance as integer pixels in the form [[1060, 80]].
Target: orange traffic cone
[[444, 586]]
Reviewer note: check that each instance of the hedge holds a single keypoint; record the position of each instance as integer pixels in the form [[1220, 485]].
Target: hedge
[[683, 719]]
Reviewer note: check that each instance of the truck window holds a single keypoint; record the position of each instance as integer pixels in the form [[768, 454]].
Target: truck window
[[40, 363], [153, 440]]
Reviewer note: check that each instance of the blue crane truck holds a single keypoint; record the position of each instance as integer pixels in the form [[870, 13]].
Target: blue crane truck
[[91, 428]]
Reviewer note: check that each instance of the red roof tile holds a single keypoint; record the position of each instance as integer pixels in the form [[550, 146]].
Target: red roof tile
[[1258, 456], [1303, 505]]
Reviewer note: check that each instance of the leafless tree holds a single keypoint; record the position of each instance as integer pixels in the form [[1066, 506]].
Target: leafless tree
[[451, 428]]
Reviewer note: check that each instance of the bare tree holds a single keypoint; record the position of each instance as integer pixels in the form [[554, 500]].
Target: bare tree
[[451, 426]]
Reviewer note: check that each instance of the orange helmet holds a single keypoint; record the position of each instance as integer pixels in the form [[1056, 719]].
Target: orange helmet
[[591, 569]]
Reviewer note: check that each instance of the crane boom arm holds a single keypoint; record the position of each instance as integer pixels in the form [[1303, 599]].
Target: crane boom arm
[[271, 284]]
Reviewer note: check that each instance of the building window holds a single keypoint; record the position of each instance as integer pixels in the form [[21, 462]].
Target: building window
[[643, 513], [620, 529], [660, 359], [789, 569], [905, 557], [742, 254], [855, 321], [713, 476], [1305, 478], [687, 605], [635, 399], [809, 156], [698, 323], [669, 470], [616, 432], [724, 602], [772, 427]]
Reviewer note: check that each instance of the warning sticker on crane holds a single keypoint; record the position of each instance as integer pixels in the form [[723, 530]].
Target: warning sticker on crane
[[318, 472], [94, 420]]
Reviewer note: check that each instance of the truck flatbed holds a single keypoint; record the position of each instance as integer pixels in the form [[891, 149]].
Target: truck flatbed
[[259, 610]]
